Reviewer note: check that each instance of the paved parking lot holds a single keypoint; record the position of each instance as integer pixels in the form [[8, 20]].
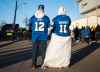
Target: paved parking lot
[[16, 57]]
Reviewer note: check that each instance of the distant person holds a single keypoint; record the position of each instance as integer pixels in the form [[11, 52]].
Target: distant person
[[40, 24], [98, 32], [0, 35], [77, 34], [93, 32], [58, 53], [85, 33]]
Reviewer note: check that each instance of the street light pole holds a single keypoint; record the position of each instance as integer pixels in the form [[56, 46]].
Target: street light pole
[[15, 12], [14, 20]]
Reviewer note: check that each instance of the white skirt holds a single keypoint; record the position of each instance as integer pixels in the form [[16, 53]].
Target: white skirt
[[58, 52]]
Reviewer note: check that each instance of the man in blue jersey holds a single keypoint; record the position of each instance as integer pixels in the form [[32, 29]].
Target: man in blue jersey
[[59, 49], [39, 23], [85, 33]]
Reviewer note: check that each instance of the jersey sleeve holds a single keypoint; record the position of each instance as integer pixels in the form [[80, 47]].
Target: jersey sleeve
[[53, 22], [48, 21], [69, 20], [30, 22]]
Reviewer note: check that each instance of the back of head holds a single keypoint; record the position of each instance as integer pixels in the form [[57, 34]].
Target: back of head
[[41, 7], [40, 11], [61, 10]]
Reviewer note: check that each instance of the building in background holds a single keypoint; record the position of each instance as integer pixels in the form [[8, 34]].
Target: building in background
[[89, 13], [89, 7], [90, 16]]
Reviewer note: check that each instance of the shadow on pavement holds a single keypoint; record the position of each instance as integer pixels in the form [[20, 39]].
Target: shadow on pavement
[[13, 58], [83, 52], [5, 44], [26, 53]]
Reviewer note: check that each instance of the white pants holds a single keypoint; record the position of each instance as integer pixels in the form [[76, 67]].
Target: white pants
[[58, 53]]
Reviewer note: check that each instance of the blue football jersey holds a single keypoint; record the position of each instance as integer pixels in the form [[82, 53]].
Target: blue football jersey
[[85, 32], [40, 27], [61, 25]]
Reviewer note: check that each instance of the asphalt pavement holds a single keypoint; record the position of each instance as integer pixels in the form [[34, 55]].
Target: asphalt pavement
[[16, 57]]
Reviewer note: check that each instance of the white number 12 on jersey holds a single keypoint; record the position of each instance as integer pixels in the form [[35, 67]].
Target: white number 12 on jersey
[[39, 26]]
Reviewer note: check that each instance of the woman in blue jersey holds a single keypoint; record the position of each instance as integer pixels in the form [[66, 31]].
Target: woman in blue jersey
[[59, 49], [39, 23]]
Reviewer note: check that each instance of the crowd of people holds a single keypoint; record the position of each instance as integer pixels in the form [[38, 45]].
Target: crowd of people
[[86, 33], [21, 34]]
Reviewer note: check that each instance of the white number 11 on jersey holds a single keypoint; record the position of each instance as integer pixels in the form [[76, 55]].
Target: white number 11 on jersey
[[63, 28], [39, 26]]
